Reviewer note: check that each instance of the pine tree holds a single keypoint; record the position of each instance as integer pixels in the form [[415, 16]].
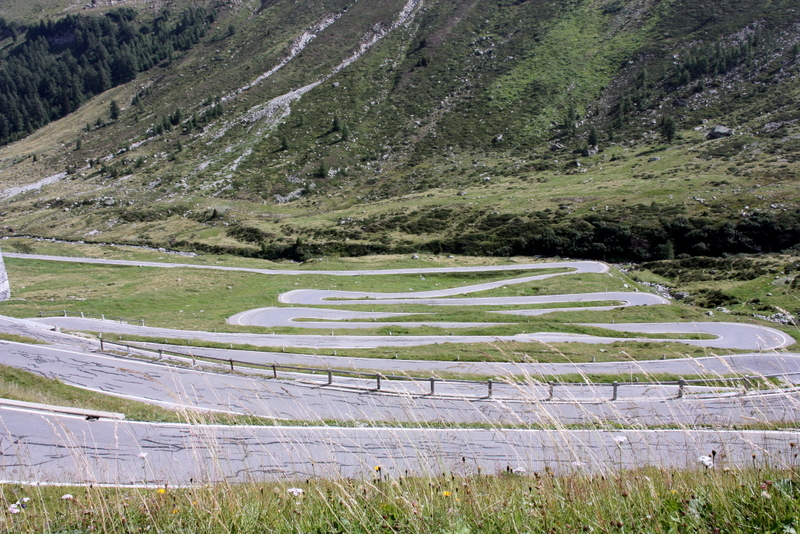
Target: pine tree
[[668, 130], [593, 137], [113, 110]]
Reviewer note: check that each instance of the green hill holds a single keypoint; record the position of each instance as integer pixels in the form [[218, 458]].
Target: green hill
[[283, 129]]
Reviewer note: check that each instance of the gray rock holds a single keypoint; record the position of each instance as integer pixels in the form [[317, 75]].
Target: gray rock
[[718, 132], [590, 151], [415, 257], [654, 158], [680, 103]]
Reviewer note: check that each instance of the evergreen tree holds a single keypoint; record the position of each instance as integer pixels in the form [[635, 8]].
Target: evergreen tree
[[594, 139], [113, 111], [569, 121], [47, 76], [668, 129]]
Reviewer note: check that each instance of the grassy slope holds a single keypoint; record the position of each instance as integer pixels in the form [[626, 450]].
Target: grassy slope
[[420, 133]]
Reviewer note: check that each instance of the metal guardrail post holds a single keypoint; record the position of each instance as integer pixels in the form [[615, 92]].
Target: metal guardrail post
[[101, 344], [433, 381], [615, 385], [379, 381], [681, 385], [82, 315], [274, 371], [231, 360], [142, 322], [160, 354], [330, 376], [102, 317], [489, 383], [65, 313], [747, 384], [551, 387]]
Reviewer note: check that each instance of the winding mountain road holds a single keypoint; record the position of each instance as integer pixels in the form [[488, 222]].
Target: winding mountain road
[[726, 335], [60, 448]]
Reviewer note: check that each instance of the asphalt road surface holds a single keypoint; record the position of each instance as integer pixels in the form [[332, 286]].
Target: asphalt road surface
[[309, 398], [57, 449]]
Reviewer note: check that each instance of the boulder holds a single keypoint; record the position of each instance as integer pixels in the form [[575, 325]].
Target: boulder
[[590, 151], [718, 132]]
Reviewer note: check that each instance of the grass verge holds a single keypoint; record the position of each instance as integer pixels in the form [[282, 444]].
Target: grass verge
[[649, 500], [18, 338], [498, 351]]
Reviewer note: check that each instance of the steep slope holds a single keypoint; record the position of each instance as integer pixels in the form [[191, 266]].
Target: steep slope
[[513, 127]]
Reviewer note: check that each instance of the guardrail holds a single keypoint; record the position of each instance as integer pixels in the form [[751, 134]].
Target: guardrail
[[747, 381]]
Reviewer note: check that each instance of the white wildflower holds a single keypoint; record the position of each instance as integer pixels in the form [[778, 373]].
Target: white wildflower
[[707, 461], [14, 508], [67, 497], [296, 491]]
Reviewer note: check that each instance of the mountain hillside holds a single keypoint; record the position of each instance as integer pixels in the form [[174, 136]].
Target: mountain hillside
[[606, 129]]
